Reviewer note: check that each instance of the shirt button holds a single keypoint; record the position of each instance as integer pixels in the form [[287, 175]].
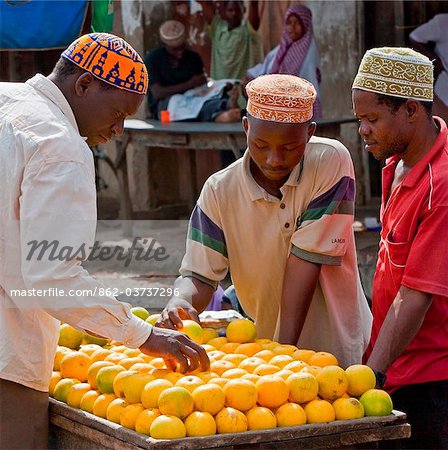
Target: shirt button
[[287, 225], [282, 206]]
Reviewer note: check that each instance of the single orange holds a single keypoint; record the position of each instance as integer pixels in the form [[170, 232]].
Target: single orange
[[272, 391], [209, 398], [248, 348], [323, 359], [75, 365], [319, 411], [303, 387], [290, 415], [250, 364], [219, 367], [176, 401], [231, 420], [240, 394], [167, 427], [260, 418], [200, 423], [332, 381], [360, 379], [241, 331], [348, 408]]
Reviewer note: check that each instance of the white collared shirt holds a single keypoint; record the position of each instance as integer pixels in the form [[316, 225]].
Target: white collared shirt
[[47, 191]]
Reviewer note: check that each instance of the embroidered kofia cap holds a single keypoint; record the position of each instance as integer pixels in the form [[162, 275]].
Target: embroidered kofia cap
[[281, 98], [172, 33], [110, 59], [396, 71]]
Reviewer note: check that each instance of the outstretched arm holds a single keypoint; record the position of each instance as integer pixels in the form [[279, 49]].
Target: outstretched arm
[[403, 320], [159, 91], [299, 284]]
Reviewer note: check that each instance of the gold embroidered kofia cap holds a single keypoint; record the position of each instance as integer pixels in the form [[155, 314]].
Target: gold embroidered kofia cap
[[281, 98], [396, 71]]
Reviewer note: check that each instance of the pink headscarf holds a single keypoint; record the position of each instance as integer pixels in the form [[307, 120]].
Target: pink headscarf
[[291, 54]]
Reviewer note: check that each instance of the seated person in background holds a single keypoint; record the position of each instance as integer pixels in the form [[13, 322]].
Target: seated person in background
[[175, 69], [236, 45], [297, 53]]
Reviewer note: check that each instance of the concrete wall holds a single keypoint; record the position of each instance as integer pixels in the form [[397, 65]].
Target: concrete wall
[[338, 29]]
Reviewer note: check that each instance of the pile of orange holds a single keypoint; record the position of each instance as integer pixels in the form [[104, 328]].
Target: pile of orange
[[253, 384]]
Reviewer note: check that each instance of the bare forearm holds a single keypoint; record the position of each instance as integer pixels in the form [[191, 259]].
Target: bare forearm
[[196, 293], [160, 92], [299, 284], [403, 321], [253, 15]]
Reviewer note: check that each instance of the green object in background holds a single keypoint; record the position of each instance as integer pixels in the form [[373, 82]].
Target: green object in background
[[102, 16]]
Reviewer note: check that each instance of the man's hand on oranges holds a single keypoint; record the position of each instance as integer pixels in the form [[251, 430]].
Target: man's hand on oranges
[[176, 349], [175, 311]]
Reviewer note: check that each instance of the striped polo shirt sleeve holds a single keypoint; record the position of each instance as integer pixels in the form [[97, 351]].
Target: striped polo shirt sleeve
[[206, 251], [324, 230]]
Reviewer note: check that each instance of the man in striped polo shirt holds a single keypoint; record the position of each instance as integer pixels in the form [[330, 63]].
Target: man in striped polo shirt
[[280, 219]]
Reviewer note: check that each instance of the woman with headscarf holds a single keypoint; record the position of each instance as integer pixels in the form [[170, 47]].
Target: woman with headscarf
[[297, 53]]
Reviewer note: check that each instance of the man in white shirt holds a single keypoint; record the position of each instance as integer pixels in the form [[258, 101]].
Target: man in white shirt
[[48, 193]]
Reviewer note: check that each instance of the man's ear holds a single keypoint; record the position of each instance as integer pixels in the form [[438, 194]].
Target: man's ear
[[83, 83], [245, 124], [411, 108], [311, 129]]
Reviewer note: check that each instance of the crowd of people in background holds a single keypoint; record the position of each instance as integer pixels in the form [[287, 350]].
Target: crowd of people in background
[[181, 85]]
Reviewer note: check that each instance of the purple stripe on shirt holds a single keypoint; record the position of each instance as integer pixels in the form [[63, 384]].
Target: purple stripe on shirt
[[344, 189], [205, 225]]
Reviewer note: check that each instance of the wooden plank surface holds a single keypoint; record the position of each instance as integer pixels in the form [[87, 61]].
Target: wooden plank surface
[[339, 434]]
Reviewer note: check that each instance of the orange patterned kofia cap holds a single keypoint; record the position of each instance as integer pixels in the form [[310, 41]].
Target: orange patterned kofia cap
[[110, 59], [281, 98]]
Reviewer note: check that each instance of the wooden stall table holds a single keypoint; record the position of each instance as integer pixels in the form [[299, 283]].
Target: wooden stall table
[[188, 136], [78, 430]]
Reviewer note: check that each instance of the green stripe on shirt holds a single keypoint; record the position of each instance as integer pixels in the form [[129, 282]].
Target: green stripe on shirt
[[196, 235], [335, 207]]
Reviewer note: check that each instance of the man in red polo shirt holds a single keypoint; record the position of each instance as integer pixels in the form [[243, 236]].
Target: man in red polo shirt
[[392, 98]]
